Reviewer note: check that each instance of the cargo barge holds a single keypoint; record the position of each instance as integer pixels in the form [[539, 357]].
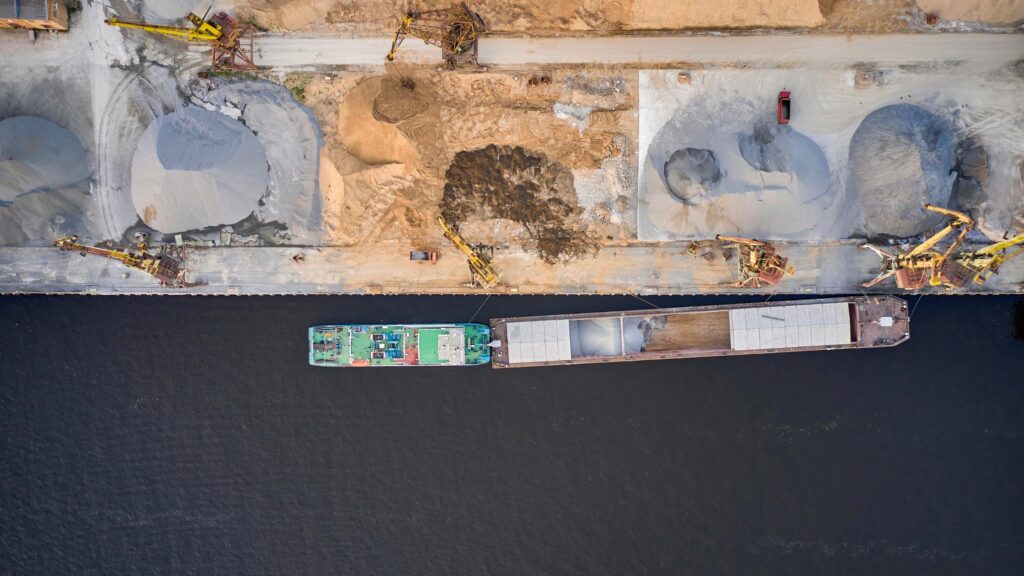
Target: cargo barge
[[364, 345], [702, 331]]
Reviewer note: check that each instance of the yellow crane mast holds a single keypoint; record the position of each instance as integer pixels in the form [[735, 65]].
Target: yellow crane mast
[[922, 265], [167, 270], [483, 272], [230, 40], [454, 30], [980, 264], [759, 262]]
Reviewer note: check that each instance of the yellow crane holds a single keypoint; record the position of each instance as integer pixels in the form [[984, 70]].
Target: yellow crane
[[483, 272], [454, 30], [980, 264], [759, 262], [230, 40], [922, 265], [167, 270]]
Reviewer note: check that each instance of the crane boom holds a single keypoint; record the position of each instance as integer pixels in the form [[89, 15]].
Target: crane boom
[[454, 30], [481, 268], [164, 268], [199, 34], [958, 220], [923, 265], [231, 41], [986, 261]]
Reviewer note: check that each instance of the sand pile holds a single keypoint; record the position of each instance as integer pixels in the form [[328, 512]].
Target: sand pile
[[901, 157], [44, 182], [193, 169], [36, 155], [988, 11]]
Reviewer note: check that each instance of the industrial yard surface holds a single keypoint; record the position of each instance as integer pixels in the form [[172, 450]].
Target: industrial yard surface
[[578, 159]]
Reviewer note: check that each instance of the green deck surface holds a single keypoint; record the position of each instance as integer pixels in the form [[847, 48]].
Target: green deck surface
[[429, 346], [354, 345]]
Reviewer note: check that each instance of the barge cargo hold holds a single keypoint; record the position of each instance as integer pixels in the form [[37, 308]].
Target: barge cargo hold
[[362, 345], [703, 331]]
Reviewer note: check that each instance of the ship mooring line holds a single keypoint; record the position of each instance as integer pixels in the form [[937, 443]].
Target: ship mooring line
[[649, 303], [480, 308], [918, 301]]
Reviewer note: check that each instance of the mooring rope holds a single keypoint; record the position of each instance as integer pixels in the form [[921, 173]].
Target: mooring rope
[[480, 308]]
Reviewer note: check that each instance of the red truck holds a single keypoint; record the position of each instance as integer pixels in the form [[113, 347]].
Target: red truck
[[784, 107]]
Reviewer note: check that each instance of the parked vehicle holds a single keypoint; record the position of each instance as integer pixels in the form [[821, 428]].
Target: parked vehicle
[[784, 107]]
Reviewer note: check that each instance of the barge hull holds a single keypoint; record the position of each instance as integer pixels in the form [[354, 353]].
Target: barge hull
[[704, 331]]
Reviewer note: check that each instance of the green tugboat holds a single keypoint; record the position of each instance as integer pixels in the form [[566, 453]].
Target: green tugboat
[[399, 345]]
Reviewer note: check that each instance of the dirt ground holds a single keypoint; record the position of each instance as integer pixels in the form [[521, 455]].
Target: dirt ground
[[538, 161], [567, 17]]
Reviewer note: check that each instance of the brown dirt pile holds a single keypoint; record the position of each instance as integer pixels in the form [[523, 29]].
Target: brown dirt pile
[[512, 183]]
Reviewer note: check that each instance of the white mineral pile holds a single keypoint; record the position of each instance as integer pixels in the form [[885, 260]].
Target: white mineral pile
[[36, 155], [194, 169]]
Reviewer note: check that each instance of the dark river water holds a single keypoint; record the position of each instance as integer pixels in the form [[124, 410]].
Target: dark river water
[[187, 435]]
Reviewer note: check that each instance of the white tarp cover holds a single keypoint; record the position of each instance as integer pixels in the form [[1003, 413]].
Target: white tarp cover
[[793, 326], [538, 341]]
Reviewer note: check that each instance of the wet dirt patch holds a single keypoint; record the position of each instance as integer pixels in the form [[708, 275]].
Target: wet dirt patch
[[690, 173], [972, 170], [400, 98], [524, 186]]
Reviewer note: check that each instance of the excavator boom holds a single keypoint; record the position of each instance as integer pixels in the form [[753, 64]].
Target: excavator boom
[[482, 270]]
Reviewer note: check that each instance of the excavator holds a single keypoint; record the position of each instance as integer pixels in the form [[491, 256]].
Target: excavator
[[167, 270], [759, 262], [923, 265], [979, 264], [480, 266], [454, 30], [231, 41]]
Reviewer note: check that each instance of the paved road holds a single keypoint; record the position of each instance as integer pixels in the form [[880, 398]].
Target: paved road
[[838, 268], [294, 51]]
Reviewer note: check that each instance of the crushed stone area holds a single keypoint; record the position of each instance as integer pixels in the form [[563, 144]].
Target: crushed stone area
[[901, 158], [36, 155], [291, 139], [865, 149], [44, 185], [194, 169]]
